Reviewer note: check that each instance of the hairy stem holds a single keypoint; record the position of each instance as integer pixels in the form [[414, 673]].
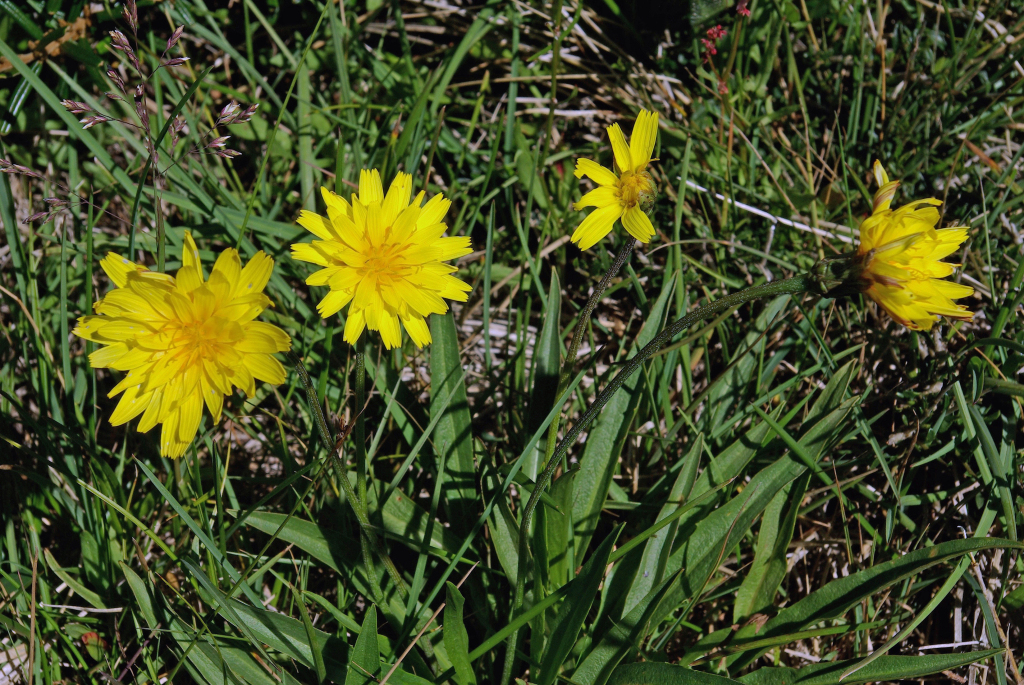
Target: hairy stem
[[577, 337], [790, 286]]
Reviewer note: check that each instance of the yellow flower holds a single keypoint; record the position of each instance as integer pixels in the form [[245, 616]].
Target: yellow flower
[[901, 252], [385, 256], [626, 193], [184, 339]]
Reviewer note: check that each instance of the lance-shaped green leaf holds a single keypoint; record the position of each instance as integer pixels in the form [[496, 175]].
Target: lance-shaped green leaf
[[573, 612], [885, 669], [453, 433], [364, 660], [658, 673], [769, 568], [658, 549], [456, 638], [608, 434], [547, 354], [837, 597], [597, 666]]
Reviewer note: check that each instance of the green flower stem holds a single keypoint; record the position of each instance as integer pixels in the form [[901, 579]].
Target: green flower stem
[[789, 286], [577, 338]]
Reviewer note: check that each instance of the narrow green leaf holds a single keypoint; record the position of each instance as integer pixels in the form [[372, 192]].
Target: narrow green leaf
[[659, 547], [608, 434], [757, 591], [530, 179], [224, 607], [597, 666], [364, 663], [657, 673], [834, 392], [23, 20], [311, 637], [143, 595], [454, 432], [554, 528], [88, 595], [939, 596], [837, 597], [410, 129], [505, 535], [574, 610], [729, 390], [198, 531], [1000, 471], [885, 669], [327, 545], [456, 638], [477, 30], [991, 625], [547, 352]]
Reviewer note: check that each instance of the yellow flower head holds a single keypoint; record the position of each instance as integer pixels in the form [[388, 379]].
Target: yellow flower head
[[386, 256], [184, 339], [627, 193], [902, 249]]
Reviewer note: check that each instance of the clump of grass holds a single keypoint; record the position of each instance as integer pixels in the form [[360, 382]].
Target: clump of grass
[[684, 529]]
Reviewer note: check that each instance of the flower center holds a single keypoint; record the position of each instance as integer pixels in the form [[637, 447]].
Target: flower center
[[206, 339], [383, 261], [637, 189]]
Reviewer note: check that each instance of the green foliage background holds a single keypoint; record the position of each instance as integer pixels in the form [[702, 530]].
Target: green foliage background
[[794, 488]]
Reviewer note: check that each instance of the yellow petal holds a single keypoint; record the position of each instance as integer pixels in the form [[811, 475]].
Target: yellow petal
[[213, 397], [335, 201], [433, 212], [354, 326], [131, 405], [375, 224], [370, 188], [228, 266], [191, 415], [602, 196], [397, 198], [621, 151], [390, 331], [595, 172], [188, 279], [322, 276], [282, 341], [454, 247], [170, 445], [105, 356], [190, 254], [419, 331], [265, 368], [151, 417], [405, 224], [333, 302], [317, 225], [117, 268], [306, 252], [255, 275], [637, 224], [641, 141], [596, 226]]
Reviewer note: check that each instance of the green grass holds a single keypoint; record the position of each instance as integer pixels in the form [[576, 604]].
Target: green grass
[[686, 538]]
